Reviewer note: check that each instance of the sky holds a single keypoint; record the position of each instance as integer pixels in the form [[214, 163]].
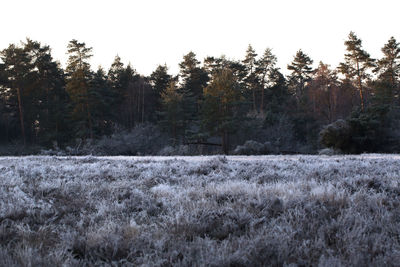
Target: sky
[[147, 33]]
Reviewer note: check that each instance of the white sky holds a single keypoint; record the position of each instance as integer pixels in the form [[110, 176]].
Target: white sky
[[151, 32]]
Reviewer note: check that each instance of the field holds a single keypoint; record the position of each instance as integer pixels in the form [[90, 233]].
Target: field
[[200, 211]]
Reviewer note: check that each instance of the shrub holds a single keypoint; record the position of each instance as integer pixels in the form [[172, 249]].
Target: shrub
[[336, 135], [251, 147], [144, 139]]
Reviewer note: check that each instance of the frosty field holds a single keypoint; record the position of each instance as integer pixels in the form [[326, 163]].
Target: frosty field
[[200, 211]]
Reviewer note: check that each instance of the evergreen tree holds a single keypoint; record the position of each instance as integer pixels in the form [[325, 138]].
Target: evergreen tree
[[266, 67], [17, 69], [193, 79], [48, 99], [117, 80], [324, 94], [172, 110], [160, 79], [102, 100], [389, 66], [356, 65], [251, 77], [78, 87], [301, 73], [388, 69], [221, 100]]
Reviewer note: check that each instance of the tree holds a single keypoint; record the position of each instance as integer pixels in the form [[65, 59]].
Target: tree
[[388, 67], [172, 109], [102, 103], [388, 70], [324, 94], [221, 99], [301, 73], [356, 65], [117, 80], [17, 67], [251, 78], [48, 99], [160, 79], [265, 70], [193, 79], [78, 78]]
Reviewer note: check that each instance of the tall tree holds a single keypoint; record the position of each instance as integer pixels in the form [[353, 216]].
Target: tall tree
[[48, 99], [388, 67], [78, 78], [221, 99], [388, 70], [301, 71], [117, 79], [324, 94], [172, 109], [102, 102], [356, 65], [251, 78], [17, 68], [193, 79], [266, 66], [160, 79]]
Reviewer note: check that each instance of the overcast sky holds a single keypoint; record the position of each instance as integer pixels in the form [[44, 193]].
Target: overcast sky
[[151, 32]]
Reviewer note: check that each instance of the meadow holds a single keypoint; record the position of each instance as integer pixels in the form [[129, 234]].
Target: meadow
[[200, 211]]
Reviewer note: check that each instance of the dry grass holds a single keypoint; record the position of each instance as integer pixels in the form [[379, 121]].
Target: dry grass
[[215, 211]]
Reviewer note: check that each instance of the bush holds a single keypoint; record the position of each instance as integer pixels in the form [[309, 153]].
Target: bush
[[336, 135], [251, 147], [144, 139], [372, 130]]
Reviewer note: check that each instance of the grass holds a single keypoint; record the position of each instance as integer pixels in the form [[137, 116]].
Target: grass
[[200, 211]]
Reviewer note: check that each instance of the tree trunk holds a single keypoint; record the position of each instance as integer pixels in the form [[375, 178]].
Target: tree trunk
[[360, 89], [142, 103], [89, 121], [254, 100], [21, 115], [225, 142], [262, 95]]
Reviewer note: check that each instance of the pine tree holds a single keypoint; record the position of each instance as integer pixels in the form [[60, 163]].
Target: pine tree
[[160, 80], [221, 100], [356, 65], [388, 69], [251, 78], [17, 69], [193, 79], [78, 79], [301, 73], [172, 110], [101, 99], [48, 99], [324, 94], [116, 79], [266, 67]]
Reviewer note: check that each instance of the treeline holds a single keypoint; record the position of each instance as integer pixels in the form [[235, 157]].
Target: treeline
[[210, 106]]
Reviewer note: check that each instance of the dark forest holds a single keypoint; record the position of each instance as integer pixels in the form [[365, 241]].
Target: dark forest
[[217, 105]]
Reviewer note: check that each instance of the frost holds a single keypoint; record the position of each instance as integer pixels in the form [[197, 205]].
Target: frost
[[200, 211]]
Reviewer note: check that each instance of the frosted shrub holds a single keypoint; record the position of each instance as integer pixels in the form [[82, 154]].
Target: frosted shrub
[[200, 211], [250, 147], [336, 135], [144, 139]]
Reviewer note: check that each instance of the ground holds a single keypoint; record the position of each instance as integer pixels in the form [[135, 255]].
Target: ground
[[200, 211]]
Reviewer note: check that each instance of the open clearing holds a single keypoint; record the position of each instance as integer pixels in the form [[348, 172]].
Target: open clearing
[[200, 211]]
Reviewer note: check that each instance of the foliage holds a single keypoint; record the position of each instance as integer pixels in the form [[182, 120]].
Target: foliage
[[368, 131], [356, 65], [217, 103]]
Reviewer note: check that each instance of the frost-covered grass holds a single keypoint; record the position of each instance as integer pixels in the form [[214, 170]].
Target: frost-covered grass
[[200, 211]]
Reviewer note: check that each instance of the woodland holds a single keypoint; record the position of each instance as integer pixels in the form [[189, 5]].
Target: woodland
[[217, 105]]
